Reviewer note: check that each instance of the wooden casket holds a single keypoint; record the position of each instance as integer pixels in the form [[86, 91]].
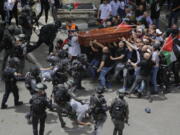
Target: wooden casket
[[104, 35]]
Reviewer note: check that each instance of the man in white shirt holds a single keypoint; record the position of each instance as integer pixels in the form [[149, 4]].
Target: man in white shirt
[[74, 49], [115, 4], [10, 8], [104, 11], [81, 110]]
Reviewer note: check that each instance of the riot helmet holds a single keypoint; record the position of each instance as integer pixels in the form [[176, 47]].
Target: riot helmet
[[35, 71], [40, 87]]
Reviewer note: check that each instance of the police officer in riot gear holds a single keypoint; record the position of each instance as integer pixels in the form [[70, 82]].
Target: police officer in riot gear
[[39, 103], [76, 69], [25, 20], [10, 77], [98, 107], [48, 34], [59, 75], [119, 112], [8, 42], [32, 78], [61, 98]]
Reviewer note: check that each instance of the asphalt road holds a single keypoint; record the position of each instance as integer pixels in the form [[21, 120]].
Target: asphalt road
[[163, 120]]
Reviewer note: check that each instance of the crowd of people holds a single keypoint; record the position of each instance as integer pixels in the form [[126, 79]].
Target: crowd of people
[[146, 62]]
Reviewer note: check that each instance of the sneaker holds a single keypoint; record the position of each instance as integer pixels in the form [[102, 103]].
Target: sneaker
[[122, 90], [19, 103], [4, 106]]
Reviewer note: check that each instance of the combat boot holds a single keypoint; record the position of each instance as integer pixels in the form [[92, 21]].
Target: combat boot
[[4, 106], [19, 103]]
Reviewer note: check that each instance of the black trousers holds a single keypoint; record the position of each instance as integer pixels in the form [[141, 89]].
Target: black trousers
[[9, 87], [7, 53], [176, 69], [44, 7], [118, 127], [3, 14], [36, 119], [48, 43], [28, 33]]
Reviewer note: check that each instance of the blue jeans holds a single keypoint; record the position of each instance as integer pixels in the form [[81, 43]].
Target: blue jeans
[[102, 76], [93, 67], [154, 72]]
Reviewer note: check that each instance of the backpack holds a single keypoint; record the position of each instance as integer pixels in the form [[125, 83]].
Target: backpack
[[118, 109], [38, 106]]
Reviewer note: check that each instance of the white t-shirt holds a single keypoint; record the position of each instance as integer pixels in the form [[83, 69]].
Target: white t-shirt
[[74, 49], [122, 5], [114, 7], [105, 11], [79, 108], [9, 5]]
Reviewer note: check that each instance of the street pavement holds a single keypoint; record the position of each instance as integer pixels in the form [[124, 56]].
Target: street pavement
[[163, 120]]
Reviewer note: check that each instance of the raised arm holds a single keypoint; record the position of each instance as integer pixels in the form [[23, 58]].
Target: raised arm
[[95, 42]]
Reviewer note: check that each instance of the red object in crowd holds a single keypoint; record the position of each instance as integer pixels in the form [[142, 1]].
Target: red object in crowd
[[65, 41], [124, 25], [75, 5], [168, 45]]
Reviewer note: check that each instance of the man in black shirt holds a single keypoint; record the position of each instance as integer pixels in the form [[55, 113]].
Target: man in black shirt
[[39, 104], [95, 60], [105, 67], [120, 58], [146, 66]]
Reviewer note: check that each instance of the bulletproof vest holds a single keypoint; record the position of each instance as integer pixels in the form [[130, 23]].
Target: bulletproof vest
[[38, 105], [18, 52], [59, 77], [100, 104], [8, 74], [118, 109], [29, 78]]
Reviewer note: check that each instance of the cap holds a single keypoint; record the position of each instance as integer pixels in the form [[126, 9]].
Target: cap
[[121, 92], [40, 87], [158, 31]]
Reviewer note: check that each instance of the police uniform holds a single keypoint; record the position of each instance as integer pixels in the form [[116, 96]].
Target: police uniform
[[47, 35], [39, 104], [98, 108], [119, 113], [10, 78], [61, 98], [7, 43]]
